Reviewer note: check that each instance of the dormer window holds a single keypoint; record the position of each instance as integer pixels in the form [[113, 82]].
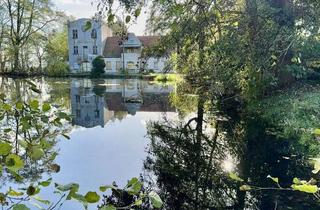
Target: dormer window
[[95, 50], [94, 34], [75, 34]]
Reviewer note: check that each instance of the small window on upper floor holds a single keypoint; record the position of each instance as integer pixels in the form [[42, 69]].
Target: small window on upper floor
[[95, 50], [77, 98], [75, 34], [94, 34], [155, 64], [75, 50]]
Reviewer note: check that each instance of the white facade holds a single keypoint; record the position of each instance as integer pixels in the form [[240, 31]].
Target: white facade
[[89, 38], [130, 58], [86, 39]]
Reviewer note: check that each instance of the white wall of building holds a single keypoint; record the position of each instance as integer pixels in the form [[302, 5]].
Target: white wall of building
[[89, 47], [85, 43]]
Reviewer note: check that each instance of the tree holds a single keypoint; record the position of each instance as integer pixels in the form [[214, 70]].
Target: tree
[[26, 18], [98, 66], [4, 19], [56, 54]]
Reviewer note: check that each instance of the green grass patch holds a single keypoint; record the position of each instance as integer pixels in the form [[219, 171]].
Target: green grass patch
[[165, 78]]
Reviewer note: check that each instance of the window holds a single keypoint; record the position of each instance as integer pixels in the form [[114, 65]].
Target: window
[[96, 113], [130, 65], [118, 65], [108, 66], [75, 50], [75, 34], [94, 34], [155, 65], [131, 50], [95, 50], [77, 98]]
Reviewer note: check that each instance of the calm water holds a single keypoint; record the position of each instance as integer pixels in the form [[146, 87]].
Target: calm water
[[109, 142]]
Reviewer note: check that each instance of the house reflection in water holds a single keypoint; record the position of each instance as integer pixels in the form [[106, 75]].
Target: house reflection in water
[[95, 102]]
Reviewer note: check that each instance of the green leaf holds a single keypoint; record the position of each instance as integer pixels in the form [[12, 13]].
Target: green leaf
[[106, 187], [5, 149], [128, 18], [155, 199], [296, 181], [245, 188], [137, 12], [7, 130], [19, 105], [109, 207], [316, 132], [81, 199], [2, 198], [134, 186], [110, 18], [37, 198], [87, 26], [92, 197], [6, 107], [235, 177], [20, 207], [31, 190], [12, 192], [72, 186], [35, 152], [307, 188], [138, 202], [46, 107], [45, 183], [34, 104], [14, 162], [275, 179]]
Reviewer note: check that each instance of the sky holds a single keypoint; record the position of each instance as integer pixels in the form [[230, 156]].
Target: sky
[[85, 9]]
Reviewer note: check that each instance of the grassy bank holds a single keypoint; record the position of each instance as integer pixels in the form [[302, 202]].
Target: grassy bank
[[295, 112]]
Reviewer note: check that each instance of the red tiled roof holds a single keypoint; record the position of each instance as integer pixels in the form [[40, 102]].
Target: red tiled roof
[[149, 41], [112, 47]]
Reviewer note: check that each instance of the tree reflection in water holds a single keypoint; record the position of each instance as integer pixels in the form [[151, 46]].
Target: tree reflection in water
[[190, 161]]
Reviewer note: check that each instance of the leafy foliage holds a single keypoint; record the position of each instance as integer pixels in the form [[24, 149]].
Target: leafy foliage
[[98, 66]]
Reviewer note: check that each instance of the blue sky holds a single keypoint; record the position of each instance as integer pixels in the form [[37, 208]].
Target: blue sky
[[84, 9]]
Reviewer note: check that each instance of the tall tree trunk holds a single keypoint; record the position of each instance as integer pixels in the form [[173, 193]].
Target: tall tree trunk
[[16, 54]]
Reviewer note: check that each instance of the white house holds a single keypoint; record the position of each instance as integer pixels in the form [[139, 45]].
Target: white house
[[86, 39], [90, 38]]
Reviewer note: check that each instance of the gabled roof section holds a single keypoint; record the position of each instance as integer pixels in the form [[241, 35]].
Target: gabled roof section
[[112, 47], [149, 41]]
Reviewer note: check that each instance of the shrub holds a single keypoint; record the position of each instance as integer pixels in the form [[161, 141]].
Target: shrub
[[57, 69], [98, 66]]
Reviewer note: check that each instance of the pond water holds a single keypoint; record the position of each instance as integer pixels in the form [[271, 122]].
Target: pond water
[[110, 140]]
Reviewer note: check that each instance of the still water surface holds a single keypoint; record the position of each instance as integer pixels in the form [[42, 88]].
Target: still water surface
[[109, 142]]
